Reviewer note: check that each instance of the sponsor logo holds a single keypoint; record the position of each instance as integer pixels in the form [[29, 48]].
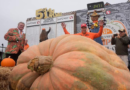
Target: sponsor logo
[[48, 20], [59, 19], [33, 23], [65, 18], [108, 12], [38, 22], [71, 17]]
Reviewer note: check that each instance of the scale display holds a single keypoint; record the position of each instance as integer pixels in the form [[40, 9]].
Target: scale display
[[93, 6]]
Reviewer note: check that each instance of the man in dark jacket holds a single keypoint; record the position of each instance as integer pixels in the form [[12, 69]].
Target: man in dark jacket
[[44, 34], [121, 42]]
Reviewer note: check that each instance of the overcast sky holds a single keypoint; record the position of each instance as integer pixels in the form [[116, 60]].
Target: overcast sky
[[14, 11]]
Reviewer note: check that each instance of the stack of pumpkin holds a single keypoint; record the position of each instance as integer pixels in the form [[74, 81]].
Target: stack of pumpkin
[[5, 70]]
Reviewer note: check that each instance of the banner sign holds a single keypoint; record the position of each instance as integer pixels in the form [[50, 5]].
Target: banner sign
[[117, 17], [46, 13], [48, 21], [34, 28], [32, 35], [111, 28], [32, 23], [65, 18]]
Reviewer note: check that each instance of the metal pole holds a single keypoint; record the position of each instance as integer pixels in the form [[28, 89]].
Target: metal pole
[[2, 51], [2, 47]]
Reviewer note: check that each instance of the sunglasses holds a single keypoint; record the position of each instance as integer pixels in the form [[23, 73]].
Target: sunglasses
[[120, 32]]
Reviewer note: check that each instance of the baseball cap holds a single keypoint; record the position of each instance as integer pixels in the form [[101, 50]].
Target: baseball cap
[[83, 25], [122, 30]]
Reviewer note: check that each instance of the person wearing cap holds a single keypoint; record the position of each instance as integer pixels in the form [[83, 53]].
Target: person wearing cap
[[84, 30], [95, 26], [121, 42], [44, 34]]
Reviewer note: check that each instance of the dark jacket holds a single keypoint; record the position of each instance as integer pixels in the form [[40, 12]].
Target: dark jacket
[[121, 45], [44, 35]]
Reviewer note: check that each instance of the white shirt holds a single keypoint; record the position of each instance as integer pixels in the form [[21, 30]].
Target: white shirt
[[19, 33]]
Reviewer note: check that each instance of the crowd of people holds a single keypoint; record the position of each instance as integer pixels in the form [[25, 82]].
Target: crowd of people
[[120, 40], [17, 42]]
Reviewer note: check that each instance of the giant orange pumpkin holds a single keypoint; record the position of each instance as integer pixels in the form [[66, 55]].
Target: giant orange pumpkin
[[69, 62], [7, 62]]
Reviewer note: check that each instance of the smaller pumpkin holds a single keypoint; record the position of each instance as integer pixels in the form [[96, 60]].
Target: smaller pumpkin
[[8, 62]]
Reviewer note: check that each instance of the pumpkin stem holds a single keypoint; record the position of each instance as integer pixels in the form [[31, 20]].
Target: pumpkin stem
[[40, 64], [9, 57]]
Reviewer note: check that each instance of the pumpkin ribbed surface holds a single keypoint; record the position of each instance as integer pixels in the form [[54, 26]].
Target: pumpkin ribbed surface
[[69, 62]]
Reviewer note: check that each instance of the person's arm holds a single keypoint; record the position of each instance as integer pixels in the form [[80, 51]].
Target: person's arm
[[49, 30], [125, 40], [64, 28], [96, 35], [113, 40], [9, 36], [65, 31]]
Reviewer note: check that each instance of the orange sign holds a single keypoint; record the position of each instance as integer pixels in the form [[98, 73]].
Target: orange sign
[[107, 31]]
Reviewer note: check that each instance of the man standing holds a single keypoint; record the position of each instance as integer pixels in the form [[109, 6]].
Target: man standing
[[16, 40], [84, 30], [44, 34], [121, 42]]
